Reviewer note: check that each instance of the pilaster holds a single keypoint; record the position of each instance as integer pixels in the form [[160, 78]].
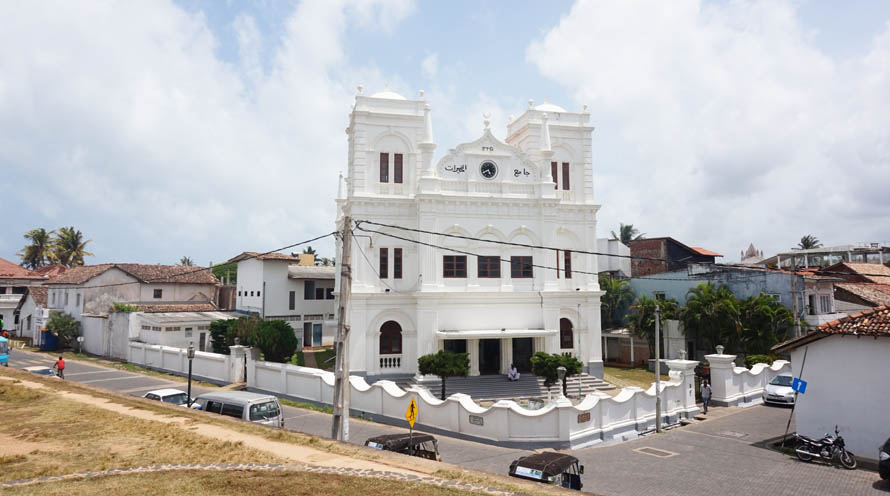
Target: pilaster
[[721, 377]]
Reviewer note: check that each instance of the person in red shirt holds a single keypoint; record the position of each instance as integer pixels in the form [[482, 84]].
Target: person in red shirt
[[60, 366]]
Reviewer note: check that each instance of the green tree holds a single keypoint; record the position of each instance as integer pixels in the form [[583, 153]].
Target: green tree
[[641, 318], [309, 250], [64, 326], [546, 365], [226, 272], [222, 335], [69, 247], [765, 323], [713, 314], [186, 262], [276, 339], [618, 296], [444, 364], [40, 250], [627, 233], [809, 242]]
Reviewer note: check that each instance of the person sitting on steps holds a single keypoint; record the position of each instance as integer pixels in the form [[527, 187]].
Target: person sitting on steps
[[513, 374]]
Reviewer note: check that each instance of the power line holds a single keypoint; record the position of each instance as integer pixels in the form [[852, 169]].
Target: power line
[[198, 269]]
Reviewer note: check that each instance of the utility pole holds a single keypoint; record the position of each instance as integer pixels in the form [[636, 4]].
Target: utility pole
[[657, 369], [340, 427], [795, 308]]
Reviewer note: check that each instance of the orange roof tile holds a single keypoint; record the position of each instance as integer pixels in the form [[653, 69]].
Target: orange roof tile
[[9, 270]]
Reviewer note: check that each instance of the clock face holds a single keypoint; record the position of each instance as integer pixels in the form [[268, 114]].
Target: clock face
[[488, 169]]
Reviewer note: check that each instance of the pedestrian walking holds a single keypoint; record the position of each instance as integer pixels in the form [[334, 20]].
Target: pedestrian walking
[[705, 394], [60, 367]]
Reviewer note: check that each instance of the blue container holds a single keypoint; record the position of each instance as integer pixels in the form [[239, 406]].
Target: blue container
[[49, 341]]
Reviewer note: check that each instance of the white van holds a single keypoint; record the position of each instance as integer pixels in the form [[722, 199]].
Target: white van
[[252, 407]]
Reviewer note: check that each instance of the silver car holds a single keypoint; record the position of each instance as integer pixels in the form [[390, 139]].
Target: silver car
[[779, 391]]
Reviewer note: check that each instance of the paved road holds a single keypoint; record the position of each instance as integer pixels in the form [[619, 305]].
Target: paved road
[[722, 457]]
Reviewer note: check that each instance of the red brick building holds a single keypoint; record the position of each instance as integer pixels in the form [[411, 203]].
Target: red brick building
[[665, 254]]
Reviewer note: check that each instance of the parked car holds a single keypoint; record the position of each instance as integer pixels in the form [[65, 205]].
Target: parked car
[[252, 407], [884, 460], [779, 390], [41, 370], [420, 445], [557, 469], [173, 396]]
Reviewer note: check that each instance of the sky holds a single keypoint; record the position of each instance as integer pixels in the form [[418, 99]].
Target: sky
[[205, 128]]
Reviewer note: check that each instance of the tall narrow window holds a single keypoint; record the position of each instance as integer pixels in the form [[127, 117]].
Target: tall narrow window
[[521, 267], [553, 171], [397, 168], [292, 300], [565, 176], [384, 167], [308, 290], [488, 267], [568, 264], [454, 266], [396, 263], [384, 263]]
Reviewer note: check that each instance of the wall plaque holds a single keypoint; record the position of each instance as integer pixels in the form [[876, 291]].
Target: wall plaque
[[477, 420], [583, 417]]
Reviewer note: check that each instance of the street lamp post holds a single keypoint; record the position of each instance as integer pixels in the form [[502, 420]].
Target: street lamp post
[[190, 353], [657, 369], [561, 372]]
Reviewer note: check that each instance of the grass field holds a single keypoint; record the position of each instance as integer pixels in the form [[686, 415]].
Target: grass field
[[233, 483], [639, 377]]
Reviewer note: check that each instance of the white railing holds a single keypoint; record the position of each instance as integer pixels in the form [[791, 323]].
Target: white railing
[[731, 385], [599, 418], [390, 361]]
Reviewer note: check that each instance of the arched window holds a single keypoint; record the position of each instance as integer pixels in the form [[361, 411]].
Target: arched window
[[566, 336], [390, 338]]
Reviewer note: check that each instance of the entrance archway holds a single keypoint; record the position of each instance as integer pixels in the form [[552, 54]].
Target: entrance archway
[[390, 338], [489, 356], [566, 334]]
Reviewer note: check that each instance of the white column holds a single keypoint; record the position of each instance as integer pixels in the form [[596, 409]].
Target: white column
[[473, 350], [721, 378], [684, 371], [506, 354]]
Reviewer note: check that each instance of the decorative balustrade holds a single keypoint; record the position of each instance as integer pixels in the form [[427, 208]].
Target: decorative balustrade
[[390, 361]]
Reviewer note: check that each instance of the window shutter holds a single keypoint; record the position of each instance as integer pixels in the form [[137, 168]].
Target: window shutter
[[397, 169], [384, 263], [565, 175], [384, 167], [568, 257], [553, 171], [397, 263]]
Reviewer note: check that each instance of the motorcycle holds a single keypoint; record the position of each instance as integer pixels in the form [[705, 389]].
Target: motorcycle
[[828, 448]]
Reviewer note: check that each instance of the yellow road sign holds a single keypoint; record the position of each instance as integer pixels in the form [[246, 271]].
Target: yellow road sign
[[411, 413]]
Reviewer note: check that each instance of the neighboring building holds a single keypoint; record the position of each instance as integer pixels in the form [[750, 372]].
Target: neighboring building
[[275, 286], [659, 255], [751, 256], [14, 282], [177, 329], [93, 289], [32, 313], [864, 285], [508, 302], [615, 259], [829, 255], [846, 371], [815, 298]]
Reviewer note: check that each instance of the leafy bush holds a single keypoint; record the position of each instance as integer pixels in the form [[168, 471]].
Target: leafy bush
[[224, 332], [276, 340], [545, 365], [124, 308], [64, 326], [750, 360], [444, 364]]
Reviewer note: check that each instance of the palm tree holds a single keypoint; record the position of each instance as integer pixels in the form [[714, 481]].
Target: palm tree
[[712, 313], [618, 295], [309, 250], [764, 323], [641, 318], [69, 247], [39, 252], [627, 233], [186, 262], [809, 242]]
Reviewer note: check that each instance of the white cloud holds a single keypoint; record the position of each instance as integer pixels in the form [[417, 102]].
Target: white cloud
[[430, 65], [119, 118], [722, 123]]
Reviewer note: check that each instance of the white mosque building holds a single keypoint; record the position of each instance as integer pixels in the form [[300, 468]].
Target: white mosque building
[[499, 302]]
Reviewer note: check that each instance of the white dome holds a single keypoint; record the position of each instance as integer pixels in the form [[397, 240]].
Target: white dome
[[549, 107], [389, 95]]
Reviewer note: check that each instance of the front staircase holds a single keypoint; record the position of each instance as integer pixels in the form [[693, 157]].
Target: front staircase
[[498, 387]]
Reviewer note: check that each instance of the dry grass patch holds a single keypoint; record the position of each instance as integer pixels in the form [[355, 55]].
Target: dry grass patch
[[63, 436], [234, 483], [639, 377]]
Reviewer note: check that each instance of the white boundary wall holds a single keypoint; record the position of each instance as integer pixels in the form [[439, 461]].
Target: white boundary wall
[[599, 418], [731, 385], [212, 367]]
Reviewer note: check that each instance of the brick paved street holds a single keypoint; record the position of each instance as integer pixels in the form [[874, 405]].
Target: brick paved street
[[720, 457]]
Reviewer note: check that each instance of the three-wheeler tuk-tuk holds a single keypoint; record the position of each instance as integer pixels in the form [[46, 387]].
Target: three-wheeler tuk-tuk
[[420, 445], [556, 469]]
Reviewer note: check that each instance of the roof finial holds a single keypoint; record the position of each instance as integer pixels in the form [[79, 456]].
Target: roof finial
[[545, 133], [531, 103], [486, 120]]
